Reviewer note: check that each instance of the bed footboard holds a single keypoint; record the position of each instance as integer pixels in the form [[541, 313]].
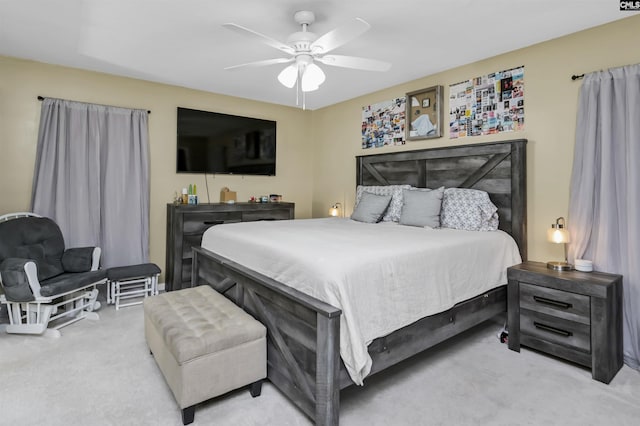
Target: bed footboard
[[303, 333]]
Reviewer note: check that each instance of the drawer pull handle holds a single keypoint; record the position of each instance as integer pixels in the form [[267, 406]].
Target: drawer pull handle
[[556, 303], [213, 222], [553, 329]]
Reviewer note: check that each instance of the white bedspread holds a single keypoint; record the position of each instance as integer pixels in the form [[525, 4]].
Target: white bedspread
[[383, 276]]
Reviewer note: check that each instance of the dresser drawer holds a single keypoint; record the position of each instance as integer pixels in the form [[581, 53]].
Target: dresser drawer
[[556, 330], [561, 304], [275, 214], [197, 223]]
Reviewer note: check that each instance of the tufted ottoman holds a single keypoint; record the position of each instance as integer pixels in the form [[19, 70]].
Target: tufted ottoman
[[204, 344]]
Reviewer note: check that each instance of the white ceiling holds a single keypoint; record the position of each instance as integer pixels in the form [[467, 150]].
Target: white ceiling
[[182, 42]]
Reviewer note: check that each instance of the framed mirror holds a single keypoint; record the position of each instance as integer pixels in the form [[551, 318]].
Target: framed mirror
[[424, 114]]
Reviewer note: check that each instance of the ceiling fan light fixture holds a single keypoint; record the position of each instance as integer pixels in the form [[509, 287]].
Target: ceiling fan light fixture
[[288, 76], [304, 47], [312, 78]]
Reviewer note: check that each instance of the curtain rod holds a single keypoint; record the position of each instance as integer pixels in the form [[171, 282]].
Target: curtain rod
[[577, 77], [41, 98]]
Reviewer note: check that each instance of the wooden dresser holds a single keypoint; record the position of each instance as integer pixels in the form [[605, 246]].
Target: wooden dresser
[[186, 223], [569, 314]]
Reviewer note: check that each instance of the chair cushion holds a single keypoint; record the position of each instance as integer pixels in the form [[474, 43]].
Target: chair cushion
[[35, 238], [69, 281], [134, 271], [199, 321]]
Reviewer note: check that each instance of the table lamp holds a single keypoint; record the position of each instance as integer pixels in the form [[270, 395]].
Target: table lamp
[[334, 211], [558, 234]]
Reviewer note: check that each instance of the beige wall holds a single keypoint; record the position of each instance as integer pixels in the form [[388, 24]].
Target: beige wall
[[316, 149], [22, 81], [550, 116]]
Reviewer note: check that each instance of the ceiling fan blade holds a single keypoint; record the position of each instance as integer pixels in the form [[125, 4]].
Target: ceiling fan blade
[[261, 37], [354, 62], [339, 36], [262, 63]]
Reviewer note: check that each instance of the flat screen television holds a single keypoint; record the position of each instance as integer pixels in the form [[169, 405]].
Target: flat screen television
[[211, 142]]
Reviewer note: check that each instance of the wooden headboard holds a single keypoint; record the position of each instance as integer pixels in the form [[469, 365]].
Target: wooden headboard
[[499, 168]]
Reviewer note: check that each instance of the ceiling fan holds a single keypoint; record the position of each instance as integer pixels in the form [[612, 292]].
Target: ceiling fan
[[305, 49]]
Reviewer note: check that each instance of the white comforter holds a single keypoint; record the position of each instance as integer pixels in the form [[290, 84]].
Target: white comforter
[[383, 276]]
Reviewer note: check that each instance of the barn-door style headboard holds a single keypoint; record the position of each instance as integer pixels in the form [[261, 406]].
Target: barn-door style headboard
[[499, 168]]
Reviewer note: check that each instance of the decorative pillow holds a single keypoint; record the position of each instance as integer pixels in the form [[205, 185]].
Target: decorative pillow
[[468, 209], [370, 208], [421, 207], [393, 212], [79, 259]]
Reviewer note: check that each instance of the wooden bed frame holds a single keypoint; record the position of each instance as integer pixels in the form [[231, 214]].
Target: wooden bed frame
[[303, 333]]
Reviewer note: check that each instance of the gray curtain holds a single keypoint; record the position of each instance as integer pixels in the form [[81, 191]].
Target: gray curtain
[[604, 206], [92, 177]]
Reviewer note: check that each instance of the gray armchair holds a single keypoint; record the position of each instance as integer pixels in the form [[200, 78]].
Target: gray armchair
[[43, 285]]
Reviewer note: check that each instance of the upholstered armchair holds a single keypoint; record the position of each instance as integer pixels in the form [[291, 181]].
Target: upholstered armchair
[[44, 285]]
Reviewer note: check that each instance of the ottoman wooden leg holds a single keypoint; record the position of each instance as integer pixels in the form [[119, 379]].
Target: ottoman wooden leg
[[188, 414], [256, 388]]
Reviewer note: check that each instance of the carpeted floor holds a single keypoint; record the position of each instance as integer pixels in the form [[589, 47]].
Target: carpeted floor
[[101, 373]]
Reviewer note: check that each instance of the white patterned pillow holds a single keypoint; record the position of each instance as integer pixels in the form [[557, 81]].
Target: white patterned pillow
[[395, 207], [468, 209]]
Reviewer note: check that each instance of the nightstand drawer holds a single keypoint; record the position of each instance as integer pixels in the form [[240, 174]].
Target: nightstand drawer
[[556, 330], [557, 303]]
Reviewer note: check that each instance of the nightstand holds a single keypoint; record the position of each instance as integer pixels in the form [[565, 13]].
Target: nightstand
[[569, 314]]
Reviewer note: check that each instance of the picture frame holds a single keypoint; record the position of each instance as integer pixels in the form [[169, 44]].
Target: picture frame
[[424, 114]]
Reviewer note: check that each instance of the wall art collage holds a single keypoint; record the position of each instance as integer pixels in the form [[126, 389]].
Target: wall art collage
[[486, 105], [383, 123]]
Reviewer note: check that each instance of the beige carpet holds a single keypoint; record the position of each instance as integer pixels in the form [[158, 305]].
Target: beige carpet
[[101, 373]]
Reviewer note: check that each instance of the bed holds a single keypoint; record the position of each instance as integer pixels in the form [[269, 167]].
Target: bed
[[304, 332]]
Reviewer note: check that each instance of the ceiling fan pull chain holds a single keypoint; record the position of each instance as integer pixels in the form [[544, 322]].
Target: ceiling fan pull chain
[[298, 89]]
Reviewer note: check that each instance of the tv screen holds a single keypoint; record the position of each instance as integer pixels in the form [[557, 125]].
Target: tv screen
[[211, 142]]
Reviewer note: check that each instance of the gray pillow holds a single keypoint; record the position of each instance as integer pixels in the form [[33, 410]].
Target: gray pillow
[[393, 211], [371, 207], [421, 207]]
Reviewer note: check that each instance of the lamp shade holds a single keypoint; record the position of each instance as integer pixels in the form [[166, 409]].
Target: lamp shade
[[288, 76], [558, 233], [312, 78], [557, 236], [334, 211]]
